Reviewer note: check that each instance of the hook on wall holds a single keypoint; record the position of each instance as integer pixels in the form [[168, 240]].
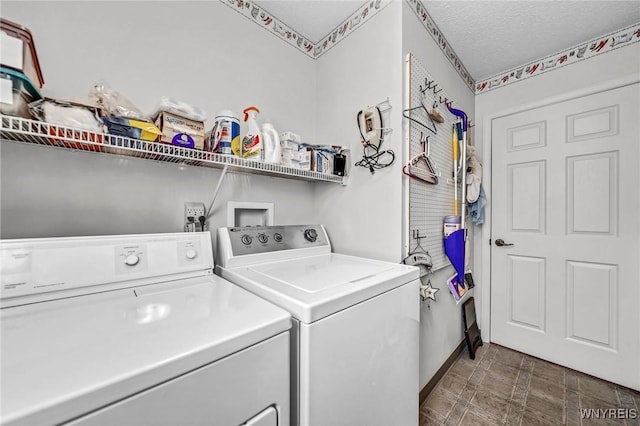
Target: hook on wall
[[429, 84], [443, 101], [384, 105], [419, 256]]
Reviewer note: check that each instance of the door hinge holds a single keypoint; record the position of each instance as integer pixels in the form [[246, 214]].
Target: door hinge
[[489, 241]]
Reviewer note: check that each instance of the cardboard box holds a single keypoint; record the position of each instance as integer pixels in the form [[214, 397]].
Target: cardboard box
[[297, 159], [290, 136], [180, 131], [287, 144], [322, 162], [302, 155]]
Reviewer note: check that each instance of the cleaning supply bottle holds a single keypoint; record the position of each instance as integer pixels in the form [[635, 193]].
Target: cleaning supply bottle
[[252, 142], [225, 135], [270, 143]]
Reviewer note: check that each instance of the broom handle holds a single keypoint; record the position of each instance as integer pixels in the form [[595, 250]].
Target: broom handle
[[464, 180], [454, 146]]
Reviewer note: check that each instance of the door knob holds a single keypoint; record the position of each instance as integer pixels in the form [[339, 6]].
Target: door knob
[[500, 243]]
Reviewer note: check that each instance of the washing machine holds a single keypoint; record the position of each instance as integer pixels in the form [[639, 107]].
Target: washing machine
[[355, 322], [135, 330]]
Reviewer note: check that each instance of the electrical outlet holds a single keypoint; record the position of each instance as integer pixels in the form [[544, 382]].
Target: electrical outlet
[[192, 214]]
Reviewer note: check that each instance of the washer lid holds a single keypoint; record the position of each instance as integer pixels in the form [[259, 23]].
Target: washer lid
[[322, 273], [63, 358], [316, 286]]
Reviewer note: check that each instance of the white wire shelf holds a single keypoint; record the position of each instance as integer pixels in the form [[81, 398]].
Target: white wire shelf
[[41, 133]]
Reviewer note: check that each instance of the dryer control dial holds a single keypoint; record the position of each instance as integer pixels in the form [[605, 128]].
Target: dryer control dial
[[246, 239], [132, 259], [191, 254], [310, 235], [263, 238], [277, 237]]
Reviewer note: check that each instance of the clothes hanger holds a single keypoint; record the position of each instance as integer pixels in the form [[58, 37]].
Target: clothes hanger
[[426, 174], [407, 114]]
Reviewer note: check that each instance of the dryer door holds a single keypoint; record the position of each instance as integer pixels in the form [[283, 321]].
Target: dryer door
[[227, 392]]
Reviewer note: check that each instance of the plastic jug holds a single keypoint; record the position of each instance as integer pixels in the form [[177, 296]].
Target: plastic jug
[[270, 144], [252, 142]]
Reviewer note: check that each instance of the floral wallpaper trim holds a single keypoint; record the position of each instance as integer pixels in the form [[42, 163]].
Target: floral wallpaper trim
[[421, 12], [263, 18], [356, 20], [606, 43]]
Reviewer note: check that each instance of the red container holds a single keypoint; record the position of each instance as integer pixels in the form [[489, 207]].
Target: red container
[[19, 51], [76, 138]]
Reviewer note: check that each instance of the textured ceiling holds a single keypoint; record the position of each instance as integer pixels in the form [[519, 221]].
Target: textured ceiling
[[489, 37], [494, 36]]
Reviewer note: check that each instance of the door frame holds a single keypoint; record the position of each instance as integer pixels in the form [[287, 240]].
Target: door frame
[[487, 170]]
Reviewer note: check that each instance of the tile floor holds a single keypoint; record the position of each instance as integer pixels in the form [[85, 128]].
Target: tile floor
[[504, 387]]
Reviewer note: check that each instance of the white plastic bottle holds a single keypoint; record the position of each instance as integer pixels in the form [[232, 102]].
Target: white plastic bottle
[[270, 144], [252, 142]]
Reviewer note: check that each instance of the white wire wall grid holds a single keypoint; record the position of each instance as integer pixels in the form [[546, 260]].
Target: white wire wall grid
[[53, 135], [429, 202]]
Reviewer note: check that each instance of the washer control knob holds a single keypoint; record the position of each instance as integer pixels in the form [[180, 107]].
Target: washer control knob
[[277, 237], [131, 260], [191, 254], [310, 235], [246, 239], [263, 238]]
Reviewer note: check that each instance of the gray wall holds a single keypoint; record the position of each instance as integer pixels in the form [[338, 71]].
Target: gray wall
[[365, 217], [441, 328], [203, 53]]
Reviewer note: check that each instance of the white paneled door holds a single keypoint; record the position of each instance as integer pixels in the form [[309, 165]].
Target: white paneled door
[[565, 279]]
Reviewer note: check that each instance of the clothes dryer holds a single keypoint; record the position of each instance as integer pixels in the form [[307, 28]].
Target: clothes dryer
[[135, 330]]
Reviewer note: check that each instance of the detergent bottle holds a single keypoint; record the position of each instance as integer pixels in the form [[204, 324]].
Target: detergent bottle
[[252, 142], [270, 143]]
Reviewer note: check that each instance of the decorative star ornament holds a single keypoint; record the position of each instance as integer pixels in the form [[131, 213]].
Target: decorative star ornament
[[428, 292]]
